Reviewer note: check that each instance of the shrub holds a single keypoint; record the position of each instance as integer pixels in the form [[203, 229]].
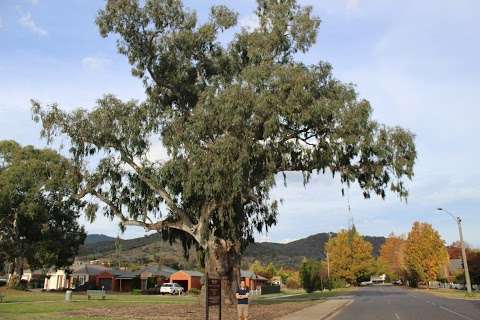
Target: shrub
[[194, 291], [293, 282], [337, 283], [310, 275], [136, 292]]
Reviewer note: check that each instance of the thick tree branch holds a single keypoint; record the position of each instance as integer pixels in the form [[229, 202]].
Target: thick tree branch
[[155, 226], [164, 194]]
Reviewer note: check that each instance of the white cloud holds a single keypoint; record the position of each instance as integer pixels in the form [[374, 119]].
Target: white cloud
[[249, 22], [95, 63], [157, 151], [27, 22], [34, 2], [263, 238]]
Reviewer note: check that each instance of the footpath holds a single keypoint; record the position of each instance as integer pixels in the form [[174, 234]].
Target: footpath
[[321, 311]]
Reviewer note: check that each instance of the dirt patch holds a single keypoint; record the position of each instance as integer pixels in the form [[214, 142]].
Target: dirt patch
[[188, 312]]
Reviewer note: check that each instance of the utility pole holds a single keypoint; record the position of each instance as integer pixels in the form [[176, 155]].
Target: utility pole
[[458, 220]]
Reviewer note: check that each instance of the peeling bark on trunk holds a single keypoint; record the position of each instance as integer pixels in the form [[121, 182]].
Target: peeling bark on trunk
[[222, 260], [12, 280]]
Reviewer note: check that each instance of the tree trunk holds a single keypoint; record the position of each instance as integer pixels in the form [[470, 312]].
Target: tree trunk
[[12, 280], [222, 260]]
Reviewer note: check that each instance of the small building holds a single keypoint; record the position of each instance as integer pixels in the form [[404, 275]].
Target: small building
[[35, 278], [127, 281], [252, 280], [84, 275], [188, 279], [154, 276], [378, 278], [118, 281], [57, 279], [105, 280]]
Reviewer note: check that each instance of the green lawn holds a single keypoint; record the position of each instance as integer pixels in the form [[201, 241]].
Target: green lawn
[[38, 305], [20, 305]]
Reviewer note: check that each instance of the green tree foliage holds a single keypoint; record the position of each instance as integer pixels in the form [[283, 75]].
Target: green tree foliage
[[231, 118], [38, 210], [425, 254], [350, 256], [310, 275]]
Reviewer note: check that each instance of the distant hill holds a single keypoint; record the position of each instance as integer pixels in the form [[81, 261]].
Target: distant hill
[[95, 238], [292, 253], [152, 248]]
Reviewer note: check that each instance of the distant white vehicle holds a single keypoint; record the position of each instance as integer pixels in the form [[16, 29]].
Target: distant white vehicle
[[171, 288], [366, 283]]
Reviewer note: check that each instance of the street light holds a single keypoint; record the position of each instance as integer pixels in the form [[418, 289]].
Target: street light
[[458, 220]]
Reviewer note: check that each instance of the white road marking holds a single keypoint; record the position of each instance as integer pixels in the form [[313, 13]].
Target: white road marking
[[456, 313], [396, 316]]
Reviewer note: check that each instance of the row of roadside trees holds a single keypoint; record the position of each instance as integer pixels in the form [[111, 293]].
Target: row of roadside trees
[[422, 257], [419, 257]]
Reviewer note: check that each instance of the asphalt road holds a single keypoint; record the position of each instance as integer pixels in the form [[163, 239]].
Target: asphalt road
[[388, 302]]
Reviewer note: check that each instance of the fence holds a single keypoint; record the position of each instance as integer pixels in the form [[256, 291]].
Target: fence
[[269, 289]]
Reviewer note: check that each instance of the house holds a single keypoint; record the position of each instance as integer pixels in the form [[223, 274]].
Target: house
[[57, 279], [153, 276], [84, 275], [35, 278], [188, 279], [126, 281], [105, 280], [378, 279], [252, 280], [116, 280]]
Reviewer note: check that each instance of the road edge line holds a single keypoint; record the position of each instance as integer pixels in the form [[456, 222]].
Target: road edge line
[[336, 311]]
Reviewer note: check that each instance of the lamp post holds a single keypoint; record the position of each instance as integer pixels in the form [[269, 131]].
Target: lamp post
[[458, 220]]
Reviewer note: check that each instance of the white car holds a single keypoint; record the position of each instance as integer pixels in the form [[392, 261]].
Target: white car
[[366, 283], [171, 288]]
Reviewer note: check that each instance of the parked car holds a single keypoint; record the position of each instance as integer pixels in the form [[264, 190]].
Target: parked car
[[366, 283], [397, 282], [171, 288]]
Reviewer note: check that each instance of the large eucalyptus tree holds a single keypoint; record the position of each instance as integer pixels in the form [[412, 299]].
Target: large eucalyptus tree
[[231, 118]]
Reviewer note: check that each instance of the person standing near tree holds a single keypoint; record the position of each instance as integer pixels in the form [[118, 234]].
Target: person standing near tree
[[242, 301]]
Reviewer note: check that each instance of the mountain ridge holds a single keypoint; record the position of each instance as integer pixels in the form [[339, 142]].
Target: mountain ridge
[[151, 248]]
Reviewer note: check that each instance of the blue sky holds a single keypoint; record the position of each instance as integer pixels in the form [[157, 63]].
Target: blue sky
[[416, 61]]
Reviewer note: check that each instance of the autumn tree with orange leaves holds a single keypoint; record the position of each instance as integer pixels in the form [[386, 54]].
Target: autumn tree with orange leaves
[[425, 254], [392, 256]]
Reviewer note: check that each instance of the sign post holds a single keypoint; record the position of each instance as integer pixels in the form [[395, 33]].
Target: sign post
[[213, 295]]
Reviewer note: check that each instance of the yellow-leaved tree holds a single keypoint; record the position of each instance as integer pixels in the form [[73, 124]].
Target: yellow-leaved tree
[[392, 256], [425, 254], [350, 256]]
